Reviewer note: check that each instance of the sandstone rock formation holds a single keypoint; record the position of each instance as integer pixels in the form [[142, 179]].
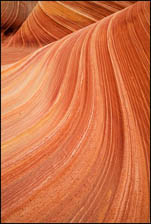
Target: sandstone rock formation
[[13, 14], [76, 119], [52, 20]]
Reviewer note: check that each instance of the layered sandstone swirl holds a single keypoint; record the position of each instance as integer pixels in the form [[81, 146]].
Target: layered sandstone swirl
[[75, 116]]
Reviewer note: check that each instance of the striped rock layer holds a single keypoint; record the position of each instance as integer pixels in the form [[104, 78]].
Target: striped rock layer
[[52, 20], [75, 125], [13, 14], [48, 22]]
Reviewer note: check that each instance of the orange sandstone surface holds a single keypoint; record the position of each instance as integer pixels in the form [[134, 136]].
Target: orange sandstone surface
[[52, 20], [14, 13], [76, 114], [47, 22]]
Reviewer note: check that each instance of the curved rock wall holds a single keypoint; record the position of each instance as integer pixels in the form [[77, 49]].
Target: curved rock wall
[[76, 124]]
